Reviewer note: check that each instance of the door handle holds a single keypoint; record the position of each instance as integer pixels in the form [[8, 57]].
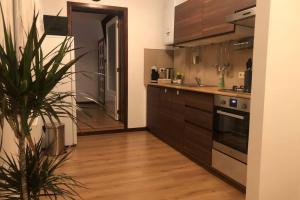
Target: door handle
[[230, 115]]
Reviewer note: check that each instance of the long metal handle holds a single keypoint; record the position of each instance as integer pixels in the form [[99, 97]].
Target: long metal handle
[[230, 115]]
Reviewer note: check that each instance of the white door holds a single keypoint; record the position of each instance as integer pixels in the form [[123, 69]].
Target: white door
[[112, 69]]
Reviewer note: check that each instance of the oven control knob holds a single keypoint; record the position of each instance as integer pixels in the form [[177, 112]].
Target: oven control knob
[[223, 102], [244, 106]]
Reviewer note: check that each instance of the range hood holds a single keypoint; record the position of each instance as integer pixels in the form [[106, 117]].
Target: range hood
[[244, 18]]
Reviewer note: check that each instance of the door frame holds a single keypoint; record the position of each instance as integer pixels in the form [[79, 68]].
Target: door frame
[[122, 13]]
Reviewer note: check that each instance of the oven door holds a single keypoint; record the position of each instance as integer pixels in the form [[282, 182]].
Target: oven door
[[231, 128]]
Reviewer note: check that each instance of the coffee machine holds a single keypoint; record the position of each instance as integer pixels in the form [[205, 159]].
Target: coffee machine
[[154, 74]]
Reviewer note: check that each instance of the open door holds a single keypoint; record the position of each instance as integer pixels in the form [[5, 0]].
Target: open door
[[112, 69]]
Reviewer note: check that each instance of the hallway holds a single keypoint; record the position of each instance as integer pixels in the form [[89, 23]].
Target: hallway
[[93, 118]]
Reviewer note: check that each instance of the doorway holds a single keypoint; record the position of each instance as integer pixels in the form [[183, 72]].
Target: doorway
[[102, 85]]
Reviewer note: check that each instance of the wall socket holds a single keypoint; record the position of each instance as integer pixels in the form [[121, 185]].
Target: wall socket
[[241, 75]]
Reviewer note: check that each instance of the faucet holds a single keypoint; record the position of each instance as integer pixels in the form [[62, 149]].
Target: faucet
[[198, 80]]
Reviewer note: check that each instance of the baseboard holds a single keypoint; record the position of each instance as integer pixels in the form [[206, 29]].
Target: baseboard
[[136, 129], [111, 131], [88, 102]]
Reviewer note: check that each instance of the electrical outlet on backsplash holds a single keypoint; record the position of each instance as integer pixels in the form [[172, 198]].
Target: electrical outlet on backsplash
[[208, 68]]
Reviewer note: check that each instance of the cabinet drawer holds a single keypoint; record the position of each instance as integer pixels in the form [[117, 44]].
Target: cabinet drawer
[[198, 136], [198, 144], [198, 117], [200, 155], [201, 101]]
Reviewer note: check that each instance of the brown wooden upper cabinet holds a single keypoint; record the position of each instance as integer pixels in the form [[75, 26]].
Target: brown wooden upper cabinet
[[188, 21], [196, 19]]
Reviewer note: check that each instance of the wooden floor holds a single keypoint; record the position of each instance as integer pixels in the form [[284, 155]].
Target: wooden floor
[[138, 166], [93, 118]]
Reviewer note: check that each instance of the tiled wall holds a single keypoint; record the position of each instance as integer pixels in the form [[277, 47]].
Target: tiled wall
[[209, 58]]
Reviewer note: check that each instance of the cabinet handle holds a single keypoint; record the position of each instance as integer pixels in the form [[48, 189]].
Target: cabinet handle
[[177, 92], [166, 90], [230, 115]]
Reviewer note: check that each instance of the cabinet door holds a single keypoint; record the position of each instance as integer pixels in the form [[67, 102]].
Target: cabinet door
[[166, 100], [243, 4], [178, 108], [188, 21], [153, 104], [165, 113], [196, 19], [171, 116], [214, 13]]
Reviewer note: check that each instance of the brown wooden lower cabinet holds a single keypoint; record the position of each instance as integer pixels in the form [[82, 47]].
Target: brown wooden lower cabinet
[[198, 144], [183, 120]]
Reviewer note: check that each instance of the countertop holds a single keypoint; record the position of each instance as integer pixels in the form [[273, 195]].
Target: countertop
[[208, 90]]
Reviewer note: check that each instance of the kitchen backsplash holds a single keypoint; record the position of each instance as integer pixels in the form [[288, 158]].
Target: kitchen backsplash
[[158, 58], [206, 67]]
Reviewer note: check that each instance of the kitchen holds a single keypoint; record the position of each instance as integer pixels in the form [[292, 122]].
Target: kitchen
[[199, 89], [196, 133]]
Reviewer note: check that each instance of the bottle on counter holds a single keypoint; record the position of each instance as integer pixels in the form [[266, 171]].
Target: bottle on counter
[[248, 76], [222, 80]]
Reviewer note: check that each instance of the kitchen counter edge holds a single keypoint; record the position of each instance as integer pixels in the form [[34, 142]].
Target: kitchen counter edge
[[208, 90]]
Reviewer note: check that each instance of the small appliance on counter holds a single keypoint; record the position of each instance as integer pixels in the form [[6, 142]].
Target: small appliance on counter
[[230, 137], [162, 73], [166, 73], [154, 74], [248, 76], [170, 73]]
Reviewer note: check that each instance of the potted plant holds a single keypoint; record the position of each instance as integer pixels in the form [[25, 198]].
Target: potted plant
[[26, 92]]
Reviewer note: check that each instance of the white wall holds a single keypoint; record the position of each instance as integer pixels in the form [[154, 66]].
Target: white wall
[[9, 141], [177, 2], [274, 149], [145, 31], [8, 15], [8, 135], [87, 31]]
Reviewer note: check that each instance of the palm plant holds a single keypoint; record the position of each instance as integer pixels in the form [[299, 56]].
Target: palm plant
[[43, 181], [27, 80]]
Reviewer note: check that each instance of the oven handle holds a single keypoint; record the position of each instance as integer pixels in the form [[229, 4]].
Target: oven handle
[[230, 115]]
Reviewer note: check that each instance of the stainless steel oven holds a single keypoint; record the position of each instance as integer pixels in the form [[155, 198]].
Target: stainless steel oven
[[231, 134]]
